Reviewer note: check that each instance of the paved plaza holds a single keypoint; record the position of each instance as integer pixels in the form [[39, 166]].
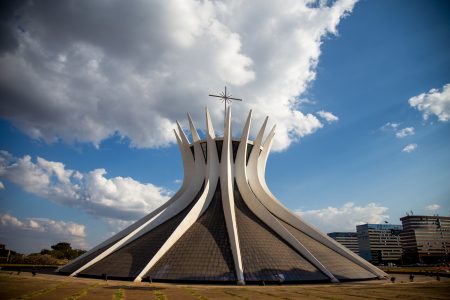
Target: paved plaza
[[42, 286]]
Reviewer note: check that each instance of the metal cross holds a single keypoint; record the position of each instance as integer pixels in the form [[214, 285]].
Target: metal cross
[[226, 99]]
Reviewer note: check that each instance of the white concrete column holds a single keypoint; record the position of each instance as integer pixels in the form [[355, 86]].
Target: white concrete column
[[259, 210], [257, 165], [176, 204], [211, 179], [226, 186]]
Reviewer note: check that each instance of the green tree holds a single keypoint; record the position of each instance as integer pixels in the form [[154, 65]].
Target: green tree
[[63, 250]]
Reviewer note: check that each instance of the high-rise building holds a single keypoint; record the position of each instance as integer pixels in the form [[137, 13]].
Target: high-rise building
[[347, 239], [425, 239], [380, 243], [223, 225]]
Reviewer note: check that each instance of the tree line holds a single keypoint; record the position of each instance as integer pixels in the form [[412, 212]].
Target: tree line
[[59, 254]]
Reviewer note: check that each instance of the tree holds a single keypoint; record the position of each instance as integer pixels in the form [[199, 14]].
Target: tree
[[63, 250]]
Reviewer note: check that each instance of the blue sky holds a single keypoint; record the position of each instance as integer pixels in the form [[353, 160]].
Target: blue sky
[[361, 135]]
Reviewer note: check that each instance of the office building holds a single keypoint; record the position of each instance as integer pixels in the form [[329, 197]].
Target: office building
[[347, 239], [380, 243], [425, 239]]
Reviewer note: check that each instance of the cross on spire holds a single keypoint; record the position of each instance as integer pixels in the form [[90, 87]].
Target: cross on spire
[[226, 99]]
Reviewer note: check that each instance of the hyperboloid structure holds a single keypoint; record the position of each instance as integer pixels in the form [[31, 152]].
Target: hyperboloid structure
[[223, 225]]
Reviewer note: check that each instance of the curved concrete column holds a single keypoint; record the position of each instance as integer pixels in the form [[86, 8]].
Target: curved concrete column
[[188, 161], [162, 214], [226, 187], [211, 176], [259, 186], [198, 171], [258, 209]]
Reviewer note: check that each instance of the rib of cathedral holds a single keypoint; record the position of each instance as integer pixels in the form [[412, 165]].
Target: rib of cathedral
[[223, 225]]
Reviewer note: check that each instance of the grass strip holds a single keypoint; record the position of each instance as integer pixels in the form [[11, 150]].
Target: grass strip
[[82, 292], [236, 295], [342, 294], [159, 295], [197, 295], [326, 297], [119, 294], [267, 294], [39, 292]]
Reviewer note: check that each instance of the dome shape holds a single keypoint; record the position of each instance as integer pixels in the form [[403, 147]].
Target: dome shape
[[223, 225]]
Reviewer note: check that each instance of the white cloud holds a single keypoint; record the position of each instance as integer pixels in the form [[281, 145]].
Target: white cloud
[[119, 197], [405, 132], [345, 218], [2, 186], [87, 78], [304, 101], [34, 234], [116, 225], [399, 133], [8, 220], [433, 207], [394, 125], [435, 102], [329, 117], [409, 148], [390, 125]]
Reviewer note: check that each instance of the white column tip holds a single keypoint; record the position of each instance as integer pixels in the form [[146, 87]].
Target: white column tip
[[182, 134], [195, 136], [209, 126], [258, 140]]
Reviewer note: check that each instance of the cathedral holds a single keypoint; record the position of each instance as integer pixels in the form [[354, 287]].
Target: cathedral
[[223, 226]]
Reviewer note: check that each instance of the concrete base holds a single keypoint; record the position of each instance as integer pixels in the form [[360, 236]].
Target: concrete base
[[240, 282]]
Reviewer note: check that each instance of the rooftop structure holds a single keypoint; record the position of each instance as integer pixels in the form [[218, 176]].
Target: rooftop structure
[[223, 225]]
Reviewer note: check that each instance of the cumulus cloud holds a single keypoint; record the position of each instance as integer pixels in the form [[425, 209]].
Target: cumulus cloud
[[117, 198], [345, 218], [409, 148], [433, 207], [89, 76], [34, 234], [116, 225], [329, 117], [435, 102], [405, 132], [400, 133]]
